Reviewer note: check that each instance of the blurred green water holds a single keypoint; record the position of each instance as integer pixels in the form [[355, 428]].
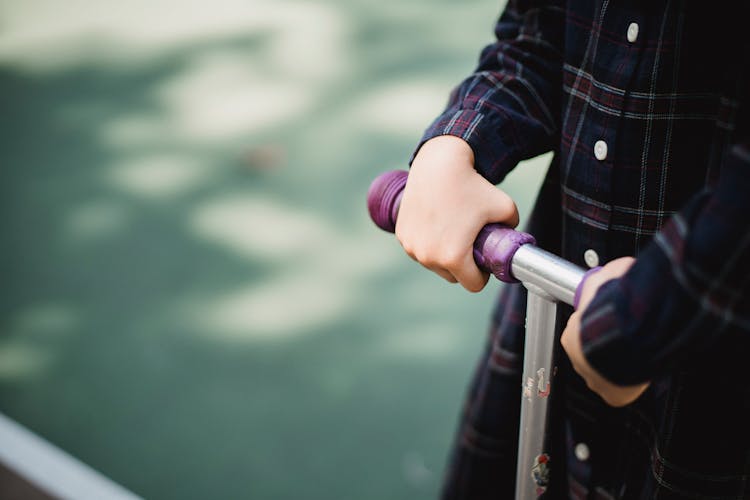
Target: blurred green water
[[194, 301]]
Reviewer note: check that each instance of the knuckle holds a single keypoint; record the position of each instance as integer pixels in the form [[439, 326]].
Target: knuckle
[[452, 258], [407, 248], [424, 258]]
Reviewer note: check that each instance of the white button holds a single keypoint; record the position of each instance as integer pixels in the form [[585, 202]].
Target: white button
[[591, 258], [582, 452], [600, 150], [632, 32]]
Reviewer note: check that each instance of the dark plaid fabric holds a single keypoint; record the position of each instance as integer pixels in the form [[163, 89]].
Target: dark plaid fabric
[[674, 190]]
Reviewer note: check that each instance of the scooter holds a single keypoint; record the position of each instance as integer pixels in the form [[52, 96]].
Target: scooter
[[512, 257]]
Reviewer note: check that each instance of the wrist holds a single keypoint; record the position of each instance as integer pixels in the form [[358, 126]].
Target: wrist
[[446, 149]]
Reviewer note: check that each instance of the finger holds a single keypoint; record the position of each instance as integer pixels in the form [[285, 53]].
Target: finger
[[622, 396], [501, 207], [621, 265], [447, 276], [612, 270], [426, 261], [570, 327], [468, 274]]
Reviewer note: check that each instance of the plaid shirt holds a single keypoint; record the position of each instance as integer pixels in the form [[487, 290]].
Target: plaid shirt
[[645, 104]]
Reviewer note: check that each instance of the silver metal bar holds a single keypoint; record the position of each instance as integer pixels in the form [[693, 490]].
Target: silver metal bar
[[532, 472], [548, 279], [557, 277]]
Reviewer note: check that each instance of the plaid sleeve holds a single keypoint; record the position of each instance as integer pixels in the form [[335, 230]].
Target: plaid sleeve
[[689, 288], [508, 109]]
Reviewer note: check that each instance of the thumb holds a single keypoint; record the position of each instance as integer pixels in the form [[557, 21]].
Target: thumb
[[499, 207]]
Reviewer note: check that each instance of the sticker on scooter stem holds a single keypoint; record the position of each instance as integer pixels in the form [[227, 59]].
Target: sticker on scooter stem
[[528, 389], [542, 389], [540, 473]]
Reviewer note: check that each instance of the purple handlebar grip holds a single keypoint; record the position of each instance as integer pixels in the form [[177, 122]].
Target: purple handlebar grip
[[494, 247], [384, 198]]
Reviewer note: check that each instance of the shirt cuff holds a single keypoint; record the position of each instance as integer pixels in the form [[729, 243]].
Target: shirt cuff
[[494, 154], [605, 342]]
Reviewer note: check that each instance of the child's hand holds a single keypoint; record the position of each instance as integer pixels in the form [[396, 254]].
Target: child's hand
[[612, 394], [445, 205]]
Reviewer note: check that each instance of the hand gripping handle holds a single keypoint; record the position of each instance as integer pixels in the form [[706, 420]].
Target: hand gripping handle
[[494, 247]]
